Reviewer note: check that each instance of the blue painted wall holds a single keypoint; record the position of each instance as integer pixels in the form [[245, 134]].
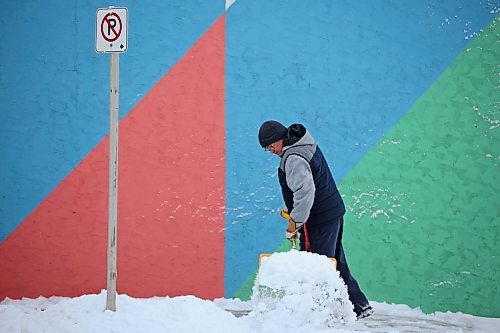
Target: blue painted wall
[[347, 70], [54, 87]]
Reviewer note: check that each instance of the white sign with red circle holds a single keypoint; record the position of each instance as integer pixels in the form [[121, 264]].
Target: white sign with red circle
[[111, 34]]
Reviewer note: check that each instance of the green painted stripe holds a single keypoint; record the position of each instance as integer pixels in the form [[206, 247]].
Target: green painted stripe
[[423, 222]]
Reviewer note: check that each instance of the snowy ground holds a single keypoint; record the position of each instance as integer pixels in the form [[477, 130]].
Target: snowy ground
[[313, 303]]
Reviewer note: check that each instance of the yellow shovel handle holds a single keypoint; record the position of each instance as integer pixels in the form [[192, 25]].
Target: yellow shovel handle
[[285, 215]]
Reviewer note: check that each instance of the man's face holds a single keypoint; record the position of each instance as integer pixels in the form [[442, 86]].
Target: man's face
[[276, 148]]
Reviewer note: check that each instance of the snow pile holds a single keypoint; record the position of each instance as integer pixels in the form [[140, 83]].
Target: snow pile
[[300, 289], [86, 314], [190, 314]]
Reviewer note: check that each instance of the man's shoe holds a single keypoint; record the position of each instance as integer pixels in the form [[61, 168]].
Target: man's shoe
[[363, 313]]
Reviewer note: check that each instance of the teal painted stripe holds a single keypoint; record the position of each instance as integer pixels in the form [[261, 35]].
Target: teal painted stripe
[[423, 203]]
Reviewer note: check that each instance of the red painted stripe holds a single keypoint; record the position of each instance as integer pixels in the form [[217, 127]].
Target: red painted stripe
[[171, 198]]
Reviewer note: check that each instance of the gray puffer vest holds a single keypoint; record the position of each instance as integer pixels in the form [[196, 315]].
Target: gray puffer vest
[[328, 205]]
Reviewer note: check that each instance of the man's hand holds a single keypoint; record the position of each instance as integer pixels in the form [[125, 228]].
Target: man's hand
[[291, 231]]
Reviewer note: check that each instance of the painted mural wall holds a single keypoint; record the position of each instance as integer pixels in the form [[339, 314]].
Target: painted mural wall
[[401, 98]]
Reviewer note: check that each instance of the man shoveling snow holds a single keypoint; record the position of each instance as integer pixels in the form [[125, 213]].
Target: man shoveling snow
[[312, 199]]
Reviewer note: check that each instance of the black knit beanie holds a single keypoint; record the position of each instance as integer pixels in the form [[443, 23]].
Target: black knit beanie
[[271, 131]]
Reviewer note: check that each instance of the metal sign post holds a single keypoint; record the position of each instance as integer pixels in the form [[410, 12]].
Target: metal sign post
[[112, 37], [113, 180]]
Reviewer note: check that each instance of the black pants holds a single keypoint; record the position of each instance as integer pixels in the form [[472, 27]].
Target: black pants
[[327, 240]]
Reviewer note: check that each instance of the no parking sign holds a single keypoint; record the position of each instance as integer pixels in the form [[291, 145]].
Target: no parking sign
[[111, 37], [111, 33]]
